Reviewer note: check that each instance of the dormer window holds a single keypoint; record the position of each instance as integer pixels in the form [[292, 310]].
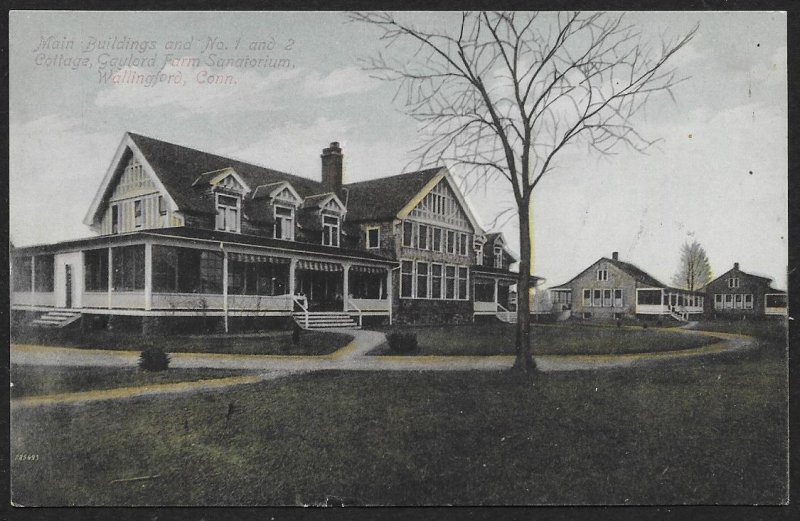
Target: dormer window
[[228, 213], [284, 222], [498, 257], [330, 230]]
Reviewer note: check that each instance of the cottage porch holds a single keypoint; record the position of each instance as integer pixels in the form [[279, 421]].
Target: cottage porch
[[668, 301]]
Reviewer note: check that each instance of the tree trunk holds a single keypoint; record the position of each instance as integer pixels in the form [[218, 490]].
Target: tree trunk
[[524, 360]]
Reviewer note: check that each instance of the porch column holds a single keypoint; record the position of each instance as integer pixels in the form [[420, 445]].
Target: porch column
[[148, 276], [389, 291], [225, 287], [292, 268], [662, 300], [496, 291], [110, 274], [33, 274], [346, 285]]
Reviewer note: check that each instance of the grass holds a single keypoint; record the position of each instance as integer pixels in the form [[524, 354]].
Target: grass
[[710, 431], [556, 339], [272, 343], [39, 380]]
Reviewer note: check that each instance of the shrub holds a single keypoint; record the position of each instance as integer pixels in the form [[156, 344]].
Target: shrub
[[644, 325], [154, 359], [400, 342]]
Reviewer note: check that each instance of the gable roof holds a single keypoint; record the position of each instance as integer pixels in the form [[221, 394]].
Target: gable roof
[[634, 271], [382, 199]]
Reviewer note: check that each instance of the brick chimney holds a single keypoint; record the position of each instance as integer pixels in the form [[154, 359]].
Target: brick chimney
[[332, 160], [736, 266], [615, 255]]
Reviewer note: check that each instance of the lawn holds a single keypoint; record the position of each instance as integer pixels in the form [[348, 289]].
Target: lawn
[[38, 380], [706, 431], [269, 343], [553, 339]]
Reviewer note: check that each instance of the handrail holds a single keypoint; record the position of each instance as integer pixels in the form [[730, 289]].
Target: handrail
[[302, 301], [358, 309]]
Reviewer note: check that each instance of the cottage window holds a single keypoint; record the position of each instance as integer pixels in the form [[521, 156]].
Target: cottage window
[[114, 218], [607, 302], [748, 302], [437, 239], [717, 301], [733, 282], [436, 281], [227, 213], [498, 257], [138, 214], [462, 243], [617, 298], [44, 271], [422, 237], [728, 301], [587, 297], [22, 273], [284, 223], [408, 234], [330, 230], [450, 282], [373, 238], [422, 279], [602, 275], [598, 298], [406, 279], [463, 283], [95, 269], [451, 242], [738, 301], [775, 300]]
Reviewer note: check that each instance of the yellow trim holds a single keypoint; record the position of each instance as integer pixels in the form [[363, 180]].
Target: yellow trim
[[403, 213]]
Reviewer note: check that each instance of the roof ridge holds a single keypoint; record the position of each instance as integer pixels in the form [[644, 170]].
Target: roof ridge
[[393, 176]]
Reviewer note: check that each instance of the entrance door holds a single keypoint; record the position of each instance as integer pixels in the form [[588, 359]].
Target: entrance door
[[68, 283]]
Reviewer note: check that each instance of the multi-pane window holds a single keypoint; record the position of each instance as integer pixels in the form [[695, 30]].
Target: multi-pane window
[[422, 237], [451, 241], [22, 273], [733, 282], [227, 213], [422, 279], [162, 205], [114, 218], [408, 233], [188, 270], [602, 274], [462, 243], [748, 301], [738, 301], [330, 230], [728, 301], [138, 213], [437, 239], [373, 237], [45, 270], [607, 302], [463, 285], [436, 281], [450, 282], [717, 301], [587, 297], [597, 300], [407, 279], [617, 298], [128, 268], [95, 270], [284, 223], [498, 256]]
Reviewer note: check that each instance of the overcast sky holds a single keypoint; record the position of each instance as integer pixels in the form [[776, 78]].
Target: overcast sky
[[719, 175]]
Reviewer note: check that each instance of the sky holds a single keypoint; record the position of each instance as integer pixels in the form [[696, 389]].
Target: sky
[[718, 174]]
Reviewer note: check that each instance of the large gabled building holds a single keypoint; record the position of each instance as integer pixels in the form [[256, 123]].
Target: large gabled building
[[186, 233], [739, 294]]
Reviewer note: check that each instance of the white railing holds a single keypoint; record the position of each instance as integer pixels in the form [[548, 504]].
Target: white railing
[[484, 307], [28, 298], [505, 315], [95, 299], [351, 304], [260, 302], [371, 304], [302, 302], [193, 301]]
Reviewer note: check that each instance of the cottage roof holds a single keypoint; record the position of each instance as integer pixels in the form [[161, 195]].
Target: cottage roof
[[634, 271]]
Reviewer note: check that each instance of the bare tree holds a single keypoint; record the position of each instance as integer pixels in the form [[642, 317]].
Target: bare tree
[[694, 271], [504, 93]]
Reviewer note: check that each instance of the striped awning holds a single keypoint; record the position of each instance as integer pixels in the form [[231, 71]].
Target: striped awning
[[318, 266], [367, 269], [259, 259]]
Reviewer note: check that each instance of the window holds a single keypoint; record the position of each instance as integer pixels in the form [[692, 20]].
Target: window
[[128, 268], [257, 278], [138, 214], [463, 293], [717, 301], [408, 233], [406, 279], [462, 243], [95, 269], [498, 257], [436, 281], [484, 290], [422, 279], [775, 300], [450, 282], [733, 282], [728, 301], [738, 301], [189, 270], [587, 297], [227, 213], [748, 302], [367, 285], [373, 238], [44, 271], [422, 237], [437, 239], [602, 274], [284, 222], [597, 301], [162, 205], [451, 241], [22, 273], [114, 218], [330, 230], [617, 298], [607, 302]]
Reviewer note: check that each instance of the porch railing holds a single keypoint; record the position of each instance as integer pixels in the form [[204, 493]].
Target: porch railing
[[302, 302], [351, 304]]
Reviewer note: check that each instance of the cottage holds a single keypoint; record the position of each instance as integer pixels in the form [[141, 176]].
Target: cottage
[[611, 288], [739, 294], [183, 233]]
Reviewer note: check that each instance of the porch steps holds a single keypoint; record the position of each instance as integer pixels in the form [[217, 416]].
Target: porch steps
[[680, 317], [509, 317], [55, 319], [325, 320]]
